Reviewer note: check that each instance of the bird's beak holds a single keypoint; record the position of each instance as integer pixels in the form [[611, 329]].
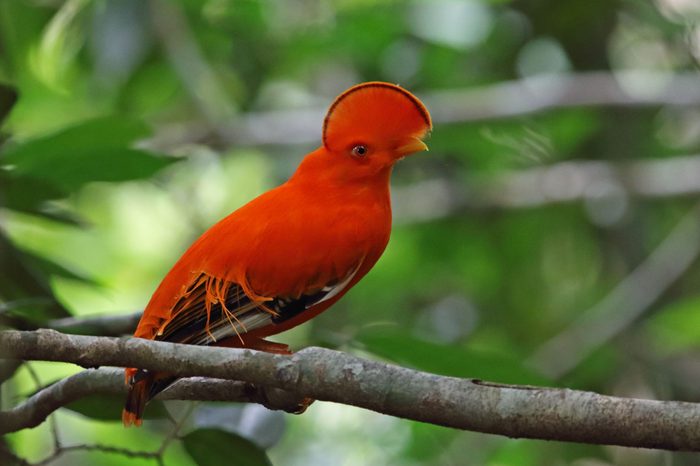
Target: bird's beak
[[411, 146]]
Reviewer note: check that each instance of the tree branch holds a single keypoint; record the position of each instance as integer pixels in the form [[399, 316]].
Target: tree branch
[[110, 381], [106, 325], [514, 411], [632, 88], [570, 181]]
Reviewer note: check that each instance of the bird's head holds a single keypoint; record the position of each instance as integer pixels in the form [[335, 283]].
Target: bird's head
[[374, 124]]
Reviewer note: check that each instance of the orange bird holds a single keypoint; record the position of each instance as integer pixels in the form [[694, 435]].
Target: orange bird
[[295, 250]]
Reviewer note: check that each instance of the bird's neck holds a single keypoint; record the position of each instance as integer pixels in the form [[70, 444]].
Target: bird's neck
[[323, 171]]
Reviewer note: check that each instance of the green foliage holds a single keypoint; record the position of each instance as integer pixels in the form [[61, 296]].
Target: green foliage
[[453, 360], [676, 327], [98, 99], [99, 148], [27, 298], [215, 447], [109, 408], [8, 98]]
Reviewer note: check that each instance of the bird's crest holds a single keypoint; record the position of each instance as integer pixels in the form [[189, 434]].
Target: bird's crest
[[374, 110]]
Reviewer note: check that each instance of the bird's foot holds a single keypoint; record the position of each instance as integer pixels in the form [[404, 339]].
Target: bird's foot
[[302, 405], [277, 399]]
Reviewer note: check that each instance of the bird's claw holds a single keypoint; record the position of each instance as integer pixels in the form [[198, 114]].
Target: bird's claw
[[277, 399]]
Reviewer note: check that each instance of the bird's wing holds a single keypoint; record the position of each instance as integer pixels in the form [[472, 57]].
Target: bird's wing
[[211, 309]]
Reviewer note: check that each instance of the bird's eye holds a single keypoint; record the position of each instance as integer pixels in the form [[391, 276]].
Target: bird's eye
[[359, 150]]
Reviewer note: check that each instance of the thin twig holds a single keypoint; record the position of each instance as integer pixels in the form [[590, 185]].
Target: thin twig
[[624, 304], [52, 419], [174, 433], [98, 447], [156, 455], [110, 381], [190, 65]]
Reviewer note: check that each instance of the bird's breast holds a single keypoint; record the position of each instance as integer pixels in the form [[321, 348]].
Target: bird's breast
[[316, 239]]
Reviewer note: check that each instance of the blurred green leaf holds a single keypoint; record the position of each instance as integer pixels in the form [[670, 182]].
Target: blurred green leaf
[[428, 441], [26, 297], [217, 447], [109, 408], [51, 59], [24, 193], [49, 267], [96, 150], [518, 453], [249, 420], [30, 195], [601, 364], [677, 326], [8, 368], [8, 98], [7, 456], [16, 41], [452, 360]]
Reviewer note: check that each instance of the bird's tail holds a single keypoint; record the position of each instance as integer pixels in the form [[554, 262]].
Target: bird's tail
[[143, 386]]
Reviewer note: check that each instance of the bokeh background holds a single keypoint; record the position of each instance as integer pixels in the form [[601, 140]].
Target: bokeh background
[[549, 237]]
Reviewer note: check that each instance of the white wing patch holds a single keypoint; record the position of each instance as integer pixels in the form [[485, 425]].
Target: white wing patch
[[334, 290]]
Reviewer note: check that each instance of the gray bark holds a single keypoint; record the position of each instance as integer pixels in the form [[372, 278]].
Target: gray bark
[[322, 374]]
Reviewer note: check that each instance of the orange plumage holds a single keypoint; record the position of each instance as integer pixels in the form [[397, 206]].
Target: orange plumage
[[292, 252]]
